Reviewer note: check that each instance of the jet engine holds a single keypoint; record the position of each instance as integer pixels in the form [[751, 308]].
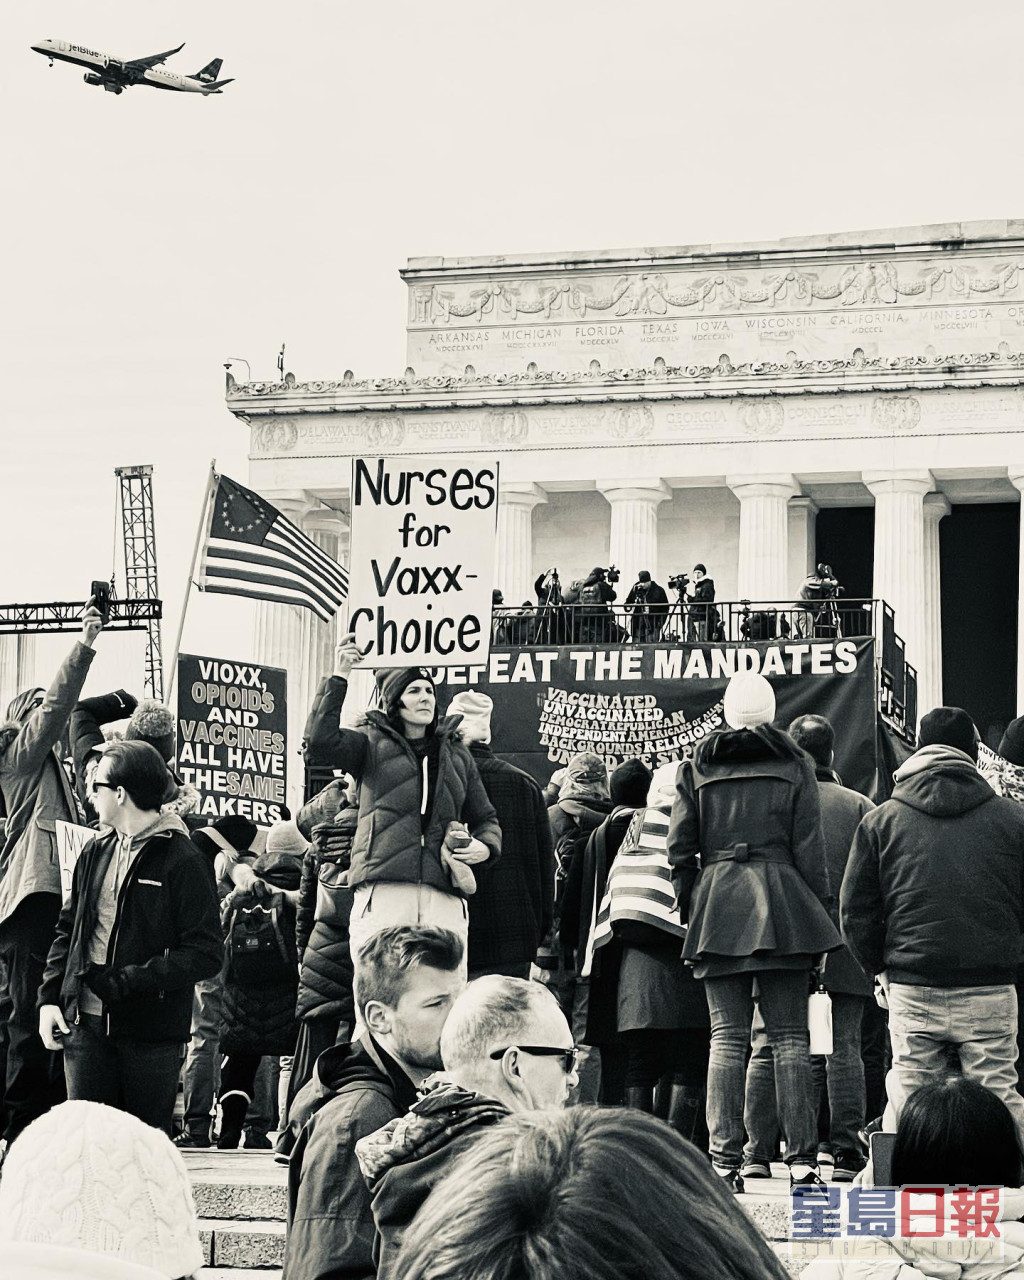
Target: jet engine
[[109, 85], [93, 79]]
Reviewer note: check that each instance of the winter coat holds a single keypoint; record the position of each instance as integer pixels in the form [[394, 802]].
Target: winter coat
[[404, 1161], [512, 908], [578, 817], [86, 734], [841, 812], [36, 791], [934, 889], [166, 937], [355, 1090], [391, 843], [908, 1259], [748, 805], [325, 900], [260, 1018]]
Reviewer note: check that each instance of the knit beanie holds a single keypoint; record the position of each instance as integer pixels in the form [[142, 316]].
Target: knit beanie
[[948, 727], [89, 1178], [285, 837], [630, 783], [152, 722], [237, 834], [1012, 745], [749, 701], [475, 709], [663, 784], [392, 682]]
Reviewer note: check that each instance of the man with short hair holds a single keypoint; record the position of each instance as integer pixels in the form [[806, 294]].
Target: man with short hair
[[140, 929], [850, 988], [513, 906], [407, 978], [933, 902], [506, 1048]]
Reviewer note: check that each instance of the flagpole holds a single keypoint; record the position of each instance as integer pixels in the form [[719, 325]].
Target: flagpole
[[211, 481]]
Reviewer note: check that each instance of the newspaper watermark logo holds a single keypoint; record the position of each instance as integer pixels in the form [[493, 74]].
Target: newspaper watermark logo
[[949, 1224]]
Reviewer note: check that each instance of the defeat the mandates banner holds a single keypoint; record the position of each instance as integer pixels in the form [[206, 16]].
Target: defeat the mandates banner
[[232, 737]]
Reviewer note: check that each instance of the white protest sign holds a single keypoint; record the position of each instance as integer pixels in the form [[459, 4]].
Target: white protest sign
[[421, 564], [71, 840]]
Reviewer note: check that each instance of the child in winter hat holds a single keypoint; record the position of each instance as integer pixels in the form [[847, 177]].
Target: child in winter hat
[[475, 709], [749, 701], [93, 1193]]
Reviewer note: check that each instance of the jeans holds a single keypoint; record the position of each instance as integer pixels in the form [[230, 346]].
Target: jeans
[[33, 1076], [876, 1055], [979, 1022], [841, 1073], [782, 1000], [132, 1075]]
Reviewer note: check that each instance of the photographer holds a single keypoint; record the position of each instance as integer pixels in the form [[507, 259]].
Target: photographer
[[704, 617], [819, 617], [647, 605], [593, 621], [550, 625]]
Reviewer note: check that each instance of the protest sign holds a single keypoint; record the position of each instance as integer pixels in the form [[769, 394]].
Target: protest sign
[[71, 840], [422, 559], [658, 703], [232, 737]]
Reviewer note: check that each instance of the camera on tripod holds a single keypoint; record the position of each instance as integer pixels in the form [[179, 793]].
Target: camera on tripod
[[611, 574], [679, 582]]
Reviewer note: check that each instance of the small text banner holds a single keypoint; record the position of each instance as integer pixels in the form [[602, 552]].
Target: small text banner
[[422, 559]]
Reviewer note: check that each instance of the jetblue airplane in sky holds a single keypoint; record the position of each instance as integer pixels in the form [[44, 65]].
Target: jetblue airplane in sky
[[116, 75]]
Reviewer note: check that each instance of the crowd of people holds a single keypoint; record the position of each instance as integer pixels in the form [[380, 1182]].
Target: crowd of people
[[500, 1030]]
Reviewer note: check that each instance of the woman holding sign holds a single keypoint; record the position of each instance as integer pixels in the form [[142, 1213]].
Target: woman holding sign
[[424, 819]]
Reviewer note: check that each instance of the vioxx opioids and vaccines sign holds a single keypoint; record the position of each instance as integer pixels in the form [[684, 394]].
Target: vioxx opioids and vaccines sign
[[422, 559], [232, 737]]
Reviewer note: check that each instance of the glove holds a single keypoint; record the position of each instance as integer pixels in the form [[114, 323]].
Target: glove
[[108, 983]]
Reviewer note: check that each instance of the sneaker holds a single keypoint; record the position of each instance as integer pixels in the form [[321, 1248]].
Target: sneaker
[[808, 1180], [192, 1141], [873, 1126], [755, 1169], [228, 1139], [848, 1165], [732, 1179], [826, 1153], [257, 1142]]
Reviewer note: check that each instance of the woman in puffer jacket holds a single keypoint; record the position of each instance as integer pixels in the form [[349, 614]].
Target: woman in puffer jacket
[[953, 1133], [756, 903], [424, 819]]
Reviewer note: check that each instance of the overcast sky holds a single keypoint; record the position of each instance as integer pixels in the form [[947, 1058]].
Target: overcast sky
[[150, 236]]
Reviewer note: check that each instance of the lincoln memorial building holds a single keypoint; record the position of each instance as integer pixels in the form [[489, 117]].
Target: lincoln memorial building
[[854, 398]]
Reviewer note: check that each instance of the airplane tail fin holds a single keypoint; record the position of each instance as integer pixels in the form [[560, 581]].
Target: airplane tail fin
[[217, 86], [210, 71]]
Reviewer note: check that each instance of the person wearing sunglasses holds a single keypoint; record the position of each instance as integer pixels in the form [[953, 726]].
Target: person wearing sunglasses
[[506, 1049]]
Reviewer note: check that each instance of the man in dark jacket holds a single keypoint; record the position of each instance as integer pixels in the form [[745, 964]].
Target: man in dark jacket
[[407, 979], [933, 902], [140, 929], [512, 908], [36, 793], [506, 1048], [647, 609]]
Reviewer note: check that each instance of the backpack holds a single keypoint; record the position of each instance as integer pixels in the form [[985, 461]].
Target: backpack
[[591, 594], [259, 949]]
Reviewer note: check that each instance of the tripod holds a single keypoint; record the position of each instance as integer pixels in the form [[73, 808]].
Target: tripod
[[549, 626]]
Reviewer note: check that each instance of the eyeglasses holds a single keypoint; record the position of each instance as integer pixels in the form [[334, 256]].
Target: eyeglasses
[[569, 1057], [111, 786]]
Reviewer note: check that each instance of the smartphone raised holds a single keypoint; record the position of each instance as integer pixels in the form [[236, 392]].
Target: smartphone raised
[[99, 595]]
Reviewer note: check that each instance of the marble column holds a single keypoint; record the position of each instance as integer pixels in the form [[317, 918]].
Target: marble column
[[282, 638], [633, 544], [513, 558], [17, 665], [899, 577], [803, 512], [1017, 480], [764, 535], [929, 677]]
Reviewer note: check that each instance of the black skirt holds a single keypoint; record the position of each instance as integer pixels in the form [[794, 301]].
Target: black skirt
[[657, 991]]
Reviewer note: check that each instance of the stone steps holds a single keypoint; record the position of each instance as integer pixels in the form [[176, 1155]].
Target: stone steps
[[241, 1199]]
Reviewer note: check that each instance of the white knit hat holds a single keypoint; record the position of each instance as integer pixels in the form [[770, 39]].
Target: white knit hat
[[94, 1179], [663, 783], [475, 709], [749, 701]]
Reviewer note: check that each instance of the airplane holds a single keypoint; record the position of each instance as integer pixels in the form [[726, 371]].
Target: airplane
[[116, 75]]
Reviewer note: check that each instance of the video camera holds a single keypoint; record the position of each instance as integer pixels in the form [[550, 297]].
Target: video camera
[[611, 573], [679, 582]]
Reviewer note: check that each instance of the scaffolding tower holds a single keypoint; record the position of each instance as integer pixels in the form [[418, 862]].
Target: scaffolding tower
[[139, 530]]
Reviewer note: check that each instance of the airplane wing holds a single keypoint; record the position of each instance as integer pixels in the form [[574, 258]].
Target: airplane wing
[[154, 59]]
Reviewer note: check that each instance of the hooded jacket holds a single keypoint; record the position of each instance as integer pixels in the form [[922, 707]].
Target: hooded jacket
[[404, 1161], [35, 789], [325, 905], [934, 888], [391, 842], [748, 805], [166, 935], [356, 1090]]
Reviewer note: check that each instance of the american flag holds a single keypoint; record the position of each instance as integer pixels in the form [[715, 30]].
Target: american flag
[[253, 550]]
